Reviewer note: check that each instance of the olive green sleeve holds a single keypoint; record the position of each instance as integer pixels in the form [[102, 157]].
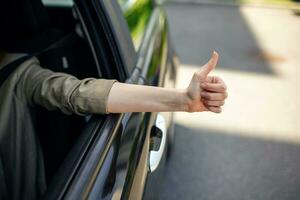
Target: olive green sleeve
[[60, 91]]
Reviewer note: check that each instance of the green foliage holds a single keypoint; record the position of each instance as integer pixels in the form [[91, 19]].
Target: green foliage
[[137, 14]]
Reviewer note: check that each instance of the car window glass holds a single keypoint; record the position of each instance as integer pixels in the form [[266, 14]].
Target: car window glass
[[137, 14]]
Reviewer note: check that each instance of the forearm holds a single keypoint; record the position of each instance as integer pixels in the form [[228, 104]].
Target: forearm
[[136, 98]]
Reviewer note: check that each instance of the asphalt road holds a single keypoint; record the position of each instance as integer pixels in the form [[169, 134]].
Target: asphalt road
[[252, 150]]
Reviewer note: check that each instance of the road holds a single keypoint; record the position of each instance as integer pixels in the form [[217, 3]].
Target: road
[[252, 150]]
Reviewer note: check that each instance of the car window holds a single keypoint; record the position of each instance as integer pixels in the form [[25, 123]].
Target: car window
[[137, 14]]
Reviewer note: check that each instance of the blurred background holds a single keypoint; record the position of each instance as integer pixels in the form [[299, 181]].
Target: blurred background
[[251, 150]]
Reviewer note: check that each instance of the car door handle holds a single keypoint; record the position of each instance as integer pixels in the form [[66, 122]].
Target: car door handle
[[159, 130]]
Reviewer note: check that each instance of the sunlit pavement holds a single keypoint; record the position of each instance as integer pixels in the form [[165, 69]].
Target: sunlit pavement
[[251, 150]]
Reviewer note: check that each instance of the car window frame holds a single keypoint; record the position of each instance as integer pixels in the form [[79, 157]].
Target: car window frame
[[121, 38], [71, 179], [77, 181]]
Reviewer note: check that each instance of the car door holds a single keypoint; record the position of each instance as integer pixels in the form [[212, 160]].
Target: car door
[[110, 159]]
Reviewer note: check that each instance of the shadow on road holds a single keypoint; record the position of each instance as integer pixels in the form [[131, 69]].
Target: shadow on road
[[198, 29], [210, 165]]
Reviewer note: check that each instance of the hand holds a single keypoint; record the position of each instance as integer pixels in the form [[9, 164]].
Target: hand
[[206, 93]]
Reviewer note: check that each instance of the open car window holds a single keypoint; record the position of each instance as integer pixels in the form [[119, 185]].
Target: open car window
[[62, 135]]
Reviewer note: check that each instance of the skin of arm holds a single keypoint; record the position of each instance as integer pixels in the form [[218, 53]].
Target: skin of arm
[[59, 91], [204, 93]]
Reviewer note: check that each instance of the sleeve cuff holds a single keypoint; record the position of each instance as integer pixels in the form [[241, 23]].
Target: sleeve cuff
[[92, 95]]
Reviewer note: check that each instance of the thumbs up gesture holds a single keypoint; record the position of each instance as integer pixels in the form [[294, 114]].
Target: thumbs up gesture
[[207, 93]]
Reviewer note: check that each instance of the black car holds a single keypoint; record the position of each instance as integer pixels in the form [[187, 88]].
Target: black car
[[115, 156]]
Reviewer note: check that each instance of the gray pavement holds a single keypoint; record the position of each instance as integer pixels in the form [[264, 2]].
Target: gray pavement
[[210, 165], [252, 150]]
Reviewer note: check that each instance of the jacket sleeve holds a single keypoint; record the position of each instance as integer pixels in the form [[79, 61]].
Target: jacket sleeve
[[60, 91]]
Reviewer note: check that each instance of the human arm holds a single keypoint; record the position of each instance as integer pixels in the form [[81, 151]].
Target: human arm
[[59, 91], [204, 93]]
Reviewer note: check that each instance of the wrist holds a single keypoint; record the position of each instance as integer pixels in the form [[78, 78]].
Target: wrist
[[184, 100]]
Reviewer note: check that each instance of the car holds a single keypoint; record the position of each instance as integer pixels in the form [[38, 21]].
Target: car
[[114, 156]]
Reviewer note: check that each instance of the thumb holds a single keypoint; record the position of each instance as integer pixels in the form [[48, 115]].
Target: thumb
[[209, 66]]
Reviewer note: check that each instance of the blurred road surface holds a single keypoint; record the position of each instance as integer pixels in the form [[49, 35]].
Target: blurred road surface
[[252, 150]]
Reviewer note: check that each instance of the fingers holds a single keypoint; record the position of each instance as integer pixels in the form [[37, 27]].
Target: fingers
[[209, 66], [213, 103], [215, 109], [214, 87], [214, 79], [215, 99], [214, 96]]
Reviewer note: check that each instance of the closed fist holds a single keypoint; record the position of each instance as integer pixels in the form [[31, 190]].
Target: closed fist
[[206, 93]]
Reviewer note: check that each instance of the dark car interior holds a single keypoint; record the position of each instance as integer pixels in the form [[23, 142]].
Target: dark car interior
[[55, 36], [73, 57]]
